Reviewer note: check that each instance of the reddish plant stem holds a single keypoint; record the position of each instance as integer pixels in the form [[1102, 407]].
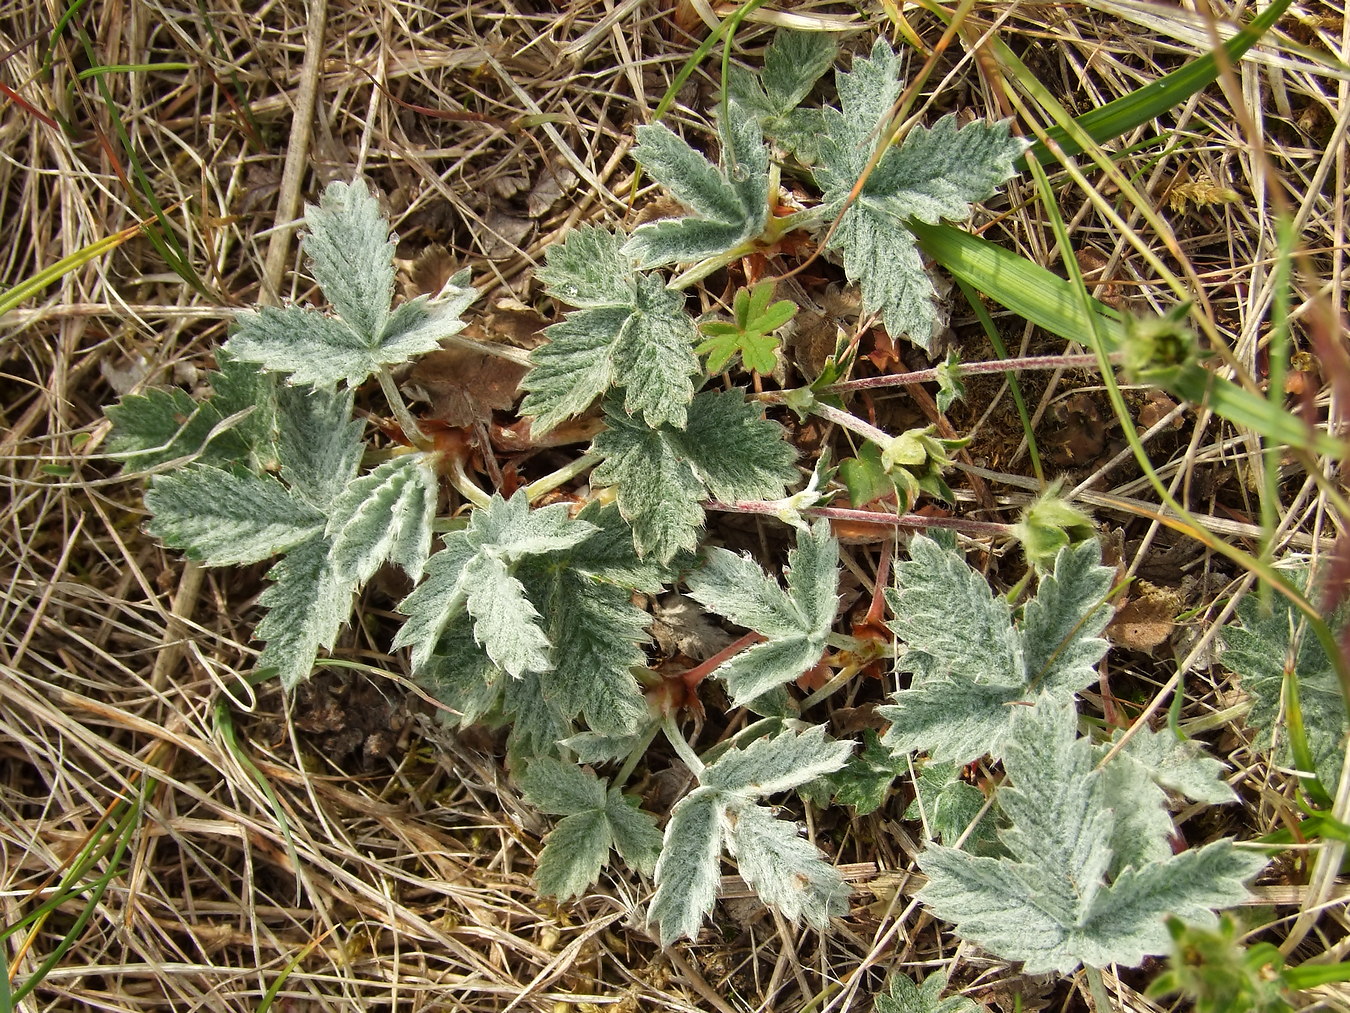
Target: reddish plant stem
[[916, 521], [692, 677], [964, 369]]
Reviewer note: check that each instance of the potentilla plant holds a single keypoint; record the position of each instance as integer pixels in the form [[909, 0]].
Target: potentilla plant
[[523, 616]]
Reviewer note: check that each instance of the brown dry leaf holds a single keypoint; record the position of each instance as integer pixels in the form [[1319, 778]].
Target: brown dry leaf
[[1156, 407], [464, 386], [1200, 191], [1079, 434], [1147, 619]]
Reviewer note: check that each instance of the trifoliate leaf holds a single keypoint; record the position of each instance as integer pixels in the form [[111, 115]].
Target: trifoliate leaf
[[782, 868], [752, 334], [320, 444], [630, 331], [946, 806], [903, 996], [307, 606], [1063, 896], [970, 663], [474, 572], [235, 425], [596, 821], [352, 259], [1267, 647], [385, 515], [221, 517], [730, 203], [795, 624], [935, 173], [793, 63], [727, 451]]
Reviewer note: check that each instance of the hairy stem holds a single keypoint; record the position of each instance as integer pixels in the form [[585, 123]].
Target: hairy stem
[[681, 745], [405, 419], [851, 422], [920, 522], [1031, 362], [561, 477]]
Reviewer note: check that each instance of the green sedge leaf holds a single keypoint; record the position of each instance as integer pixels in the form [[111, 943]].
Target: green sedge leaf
[[385, 516], [727, 451], [630, 331], [307, 606], [730, 203], [221, 517]]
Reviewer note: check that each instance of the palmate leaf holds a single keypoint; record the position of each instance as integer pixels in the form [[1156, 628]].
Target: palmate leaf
[[221, 517], [730, 203], [969, 663], [935, 173], [1065, 894], [721, 813], [946, 805], [597, 820], [795, 624], [1267, 647], [727, 451], [475, 573], [352, 258], [752, 335], [385, 515], [793, 63], [630, 331]]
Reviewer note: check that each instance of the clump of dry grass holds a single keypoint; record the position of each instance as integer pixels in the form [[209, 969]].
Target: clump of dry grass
[[334, 851]]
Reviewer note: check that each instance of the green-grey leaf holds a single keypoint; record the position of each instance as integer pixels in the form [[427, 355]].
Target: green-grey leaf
[[437, 601], [319, 443], [793, 62], [1261, 647], [642, 340], [352, 255], [634, 831], [903, 996], [1050, 903], [574, 853], [460, 675], [1061, 626], [688, 872], [506, 623], [221, 517], [777, 763], [783, 868], [947, 805], [733, 585], [1179, 765], [307, 606], [385, 515], [730, 203], [561, 789]]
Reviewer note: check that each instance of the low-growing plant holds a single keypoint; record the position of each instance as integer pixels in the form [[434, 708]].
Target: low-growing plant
[[525, 616]]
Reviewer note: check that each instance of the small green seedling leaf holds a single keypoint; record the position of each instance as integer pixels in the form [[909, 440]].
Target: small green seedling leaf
[[730, 202], [728, 451], [629, 331], [1277, 661], [934, 174], [903, 996], [1066, 893], [970, 664], [752, 335], [946, 806], [794, 623], [597, 819], [1049, 524], [773, 860]]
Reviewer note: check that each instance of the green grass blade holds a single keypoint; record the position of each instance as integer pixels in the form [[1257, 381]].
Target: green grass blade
[[1051, 302], [30, 287], [1152, 100]]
